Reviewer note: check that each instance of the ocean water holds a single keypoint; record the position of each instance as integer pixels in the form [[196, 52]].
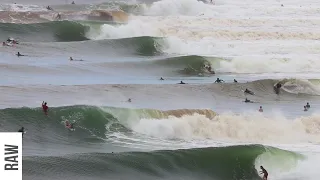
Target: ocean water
[[169, 131]]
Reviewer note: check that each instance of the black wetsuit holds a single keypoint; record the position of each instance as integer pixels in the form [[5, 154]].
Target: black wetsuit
[[219, 81], [19, 54], [248, 91]]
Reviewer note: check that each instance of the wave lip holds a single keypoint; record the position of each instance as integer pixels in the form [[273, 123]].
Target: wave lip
[[61, 31], [80, 30]]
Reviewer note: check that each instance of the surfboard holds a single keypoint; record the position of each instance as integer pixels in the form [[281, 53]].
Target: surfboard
[[249, 102], [251, 93]]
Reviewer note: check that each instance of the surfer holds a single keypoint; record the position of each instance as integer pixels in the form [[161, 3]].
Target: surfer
[[71, 59], [264, 172], [18, 54], [219, 80], [58, 16], [235, 81], [247, 101], [129, 100], [73, 2], [161, 79], [305, 108], [277, 87], [181, 82], [209, 69], [249, 92], [260, 109], [45, 107], [9, 40], [21, 130], [69, 125], [12, 41], [49, 8], [308, 105]]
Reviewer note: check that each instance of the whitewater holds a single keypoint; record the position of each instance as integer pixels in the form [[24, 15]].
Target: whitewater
[[197, 130]]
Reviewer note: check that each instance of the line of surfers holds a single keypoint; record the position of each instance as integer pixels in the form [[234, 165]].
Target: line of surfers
[[276, 88]]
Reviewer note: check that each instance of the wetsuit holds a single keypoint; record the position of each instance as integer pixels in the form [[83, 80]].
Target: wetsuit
[[265, 174], [45, 108]]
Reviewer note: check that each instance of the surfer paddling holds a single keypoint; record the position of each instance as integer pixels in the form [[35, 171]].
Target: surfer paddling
[[19, 54], [264, 172]]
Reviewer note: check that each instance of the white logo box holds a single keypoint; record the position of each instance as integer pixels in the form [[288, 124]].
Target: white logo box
[[11, 155]]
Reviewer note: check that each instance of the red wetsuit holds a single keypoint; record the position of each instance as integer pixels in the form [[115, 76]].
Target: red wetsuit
[[45, 108]]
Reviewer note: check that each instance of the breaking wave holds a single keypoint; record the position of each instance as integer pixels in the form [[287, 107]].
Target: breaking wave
[[234, 162], [186, 124], [45, 32]]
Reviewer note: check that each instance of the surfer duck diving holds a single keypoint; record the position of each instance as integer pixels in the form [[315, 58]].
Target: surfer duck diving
[[69, 125]]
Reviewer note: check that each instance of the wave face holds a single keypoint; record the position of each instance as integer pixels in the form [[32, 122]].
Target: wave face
[[89, 118], [289, 86], [144, 46], [188, 65], [117, 124], [68, 31], [61, 31], [235, 162]]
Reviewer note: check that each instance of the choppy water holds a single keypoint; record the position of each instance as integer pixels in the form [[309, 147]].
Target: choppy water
[[168, 131]]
